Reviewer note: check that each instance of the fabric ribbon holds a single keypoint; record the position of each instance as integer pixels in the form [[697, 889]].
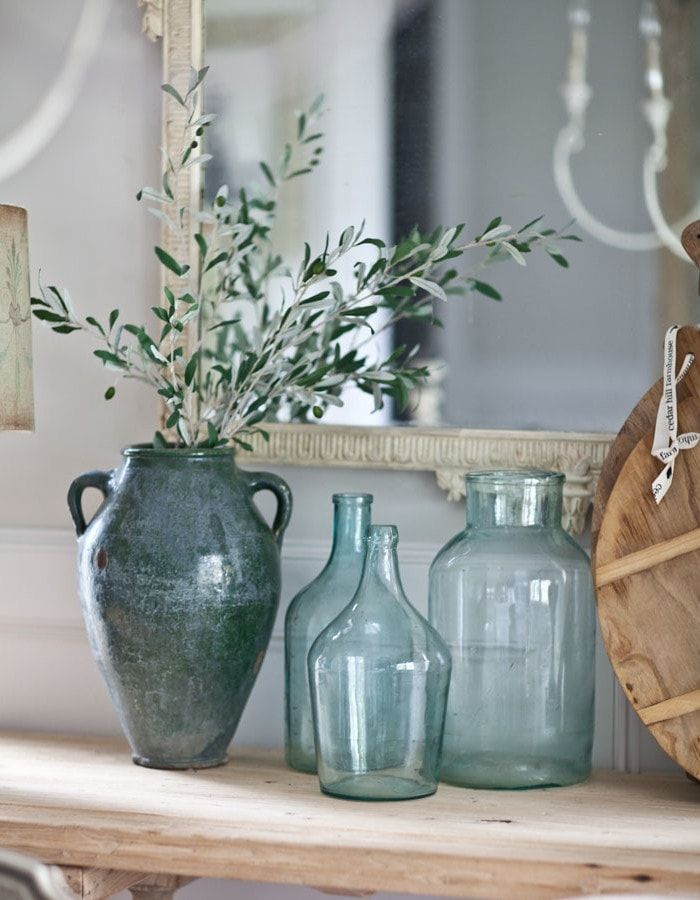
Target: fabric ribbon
[[667, 442]]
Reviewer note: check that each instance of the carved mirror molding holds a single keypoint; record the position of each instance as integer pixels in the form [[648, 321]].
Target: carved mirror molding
[[448, 452]]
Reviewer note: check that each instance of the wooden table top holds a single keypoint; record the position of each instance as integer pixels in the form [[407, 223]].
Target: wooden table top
[[81, 802]]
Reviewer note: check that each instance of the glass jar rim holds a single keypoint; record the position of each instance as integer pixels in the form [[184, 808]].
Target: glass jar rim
[[350, 496], [524, 477]]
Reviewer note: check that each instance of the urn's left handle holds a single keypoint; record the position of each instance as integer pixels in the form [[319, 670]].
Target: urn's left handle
[[100, 480]]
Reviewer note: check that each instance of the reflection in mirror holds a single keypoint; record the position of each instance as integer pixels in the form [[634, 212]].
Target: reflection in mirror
[[29, 128], [449, 111]]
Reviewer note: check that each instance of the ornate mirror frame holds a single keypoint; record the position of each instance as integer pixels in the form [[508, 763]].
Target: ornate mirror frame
[[448, 452]]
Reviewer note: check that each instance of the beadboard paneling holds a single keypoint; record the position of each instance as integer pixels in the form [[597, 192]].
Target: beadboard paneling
[[50, 681]]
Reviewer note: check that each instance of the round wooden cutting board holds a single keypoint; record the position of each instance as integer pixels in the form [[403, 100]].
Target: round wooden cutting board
[[640, 422], [647, 571]]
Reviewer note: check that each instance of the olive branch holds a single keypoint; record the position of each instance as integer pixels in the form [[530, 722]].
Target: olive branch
[[248, 339]]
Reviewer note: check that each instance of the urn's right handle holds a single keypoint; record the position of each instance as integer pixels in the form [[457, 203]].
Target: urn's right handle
[[100, 480], [266, 481]]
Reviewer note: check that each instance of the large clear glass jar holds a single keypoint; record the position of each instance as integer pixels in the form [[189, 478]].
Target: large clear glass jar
[[512, 596], [379, 676], [309, 613]]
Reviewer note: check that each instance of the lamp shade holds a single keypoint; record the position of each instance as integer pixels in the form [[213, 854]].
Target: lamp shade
[[16, 394]]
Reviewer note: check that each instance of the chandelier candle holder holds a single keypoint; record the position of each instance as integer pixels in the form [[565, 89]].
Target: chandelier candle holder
[[16, 392], [657, 109]]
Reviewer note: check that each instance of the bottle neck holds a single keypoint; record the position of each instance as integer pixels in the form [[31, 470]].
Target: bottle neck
[[351, 519], [381, 568], [514, 499], [382, 564]]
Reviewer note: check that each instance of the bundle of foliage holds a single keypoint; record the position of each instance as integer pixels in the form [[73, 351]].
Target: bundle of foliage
[[240, 338]]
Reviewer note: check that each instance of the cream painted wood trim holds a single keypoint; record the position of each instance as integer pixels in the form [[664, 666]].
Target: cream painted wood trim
[[449, 453], [152, 18], [183, 49], [180, 24]]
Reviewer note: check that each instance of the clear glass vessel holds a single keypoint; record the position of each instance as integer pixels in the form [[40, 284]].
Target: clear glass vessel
[[309, 613], [379, 675], [512, 595]]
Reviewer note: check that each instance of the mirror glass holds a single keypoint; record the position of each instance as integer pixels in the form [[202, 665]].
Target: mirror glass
[[458, 111]]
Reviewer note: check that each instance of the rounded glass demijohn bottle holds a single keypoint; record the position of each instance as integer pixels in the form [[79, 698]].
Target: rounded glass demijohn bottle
[[379, 675], [513, 597], [309, 613]]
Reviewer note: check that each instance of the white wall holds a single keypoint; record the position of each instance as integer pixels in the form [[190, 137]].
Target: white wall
[[88, 232]]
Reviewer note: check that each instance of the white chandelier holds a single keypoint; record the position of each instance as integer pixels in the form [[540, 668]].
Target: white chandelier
[[23, 144], [571, 140]]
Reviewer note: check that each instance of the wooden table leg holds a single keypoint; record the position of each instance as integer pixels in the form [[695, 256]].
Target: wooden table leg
[[158, 887], [100, 884]]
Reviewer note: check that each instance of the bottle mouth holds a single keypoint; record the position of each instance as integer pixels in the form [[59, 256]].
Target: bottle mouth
[[357, 499], [514, 477], [514, 497], [383, 535]]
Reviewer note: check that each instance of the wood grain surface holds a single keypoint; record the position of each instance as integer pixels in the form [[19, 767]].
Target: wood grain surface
[[81, 802], [690, 239], [648, 591], [640, 422]]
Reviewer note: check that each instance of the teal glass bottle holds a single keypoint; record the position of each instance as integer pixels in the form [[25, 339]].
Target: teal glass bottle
[[379, 677], [309, 613], [513, 597]]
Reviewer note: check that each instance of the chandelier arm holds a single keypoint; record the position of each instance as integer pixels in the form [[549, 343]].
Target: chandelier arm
[[666, 233], [657, 111], [569, 141], [576, 93], [34, 134]]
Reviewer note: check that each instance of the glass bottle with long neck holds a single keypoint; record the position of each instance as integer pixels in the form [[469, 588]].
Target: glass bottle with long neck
[[309, 613], [379, 675], [513, 597]]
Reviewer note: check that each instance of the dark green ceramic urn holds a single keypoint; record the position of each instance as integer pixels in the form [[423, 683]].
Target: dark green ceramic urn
[[179, 581]]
